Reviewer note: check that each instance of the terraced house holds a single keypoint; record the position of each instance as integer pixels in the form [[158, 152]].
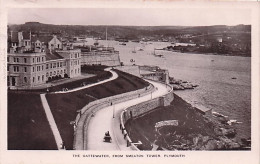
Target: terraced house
[[34, 61]]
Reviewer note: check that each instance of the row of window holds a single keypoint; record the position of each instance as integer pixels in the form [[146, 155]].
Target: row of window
[[39, 78], [17, 60], [76, 55], [76, 62], [76, 70], [54, 65], [54, 73]]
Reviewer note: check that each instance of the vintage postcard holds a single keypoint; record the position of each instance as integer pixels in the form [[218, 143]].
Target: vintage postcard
[[129, 82]]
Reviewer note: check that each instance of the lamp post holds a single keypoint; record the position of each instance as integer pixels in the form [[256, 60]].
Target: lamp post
[[113, 111]]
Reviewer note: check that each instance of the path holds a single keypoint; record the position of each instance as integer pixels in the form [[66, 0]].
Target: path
[[103, 121], [51, 121], [48, 112], [114, 76]]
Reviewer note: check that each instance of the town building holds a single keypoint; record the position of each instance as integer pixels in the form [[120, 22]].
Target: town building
[[34, 61]]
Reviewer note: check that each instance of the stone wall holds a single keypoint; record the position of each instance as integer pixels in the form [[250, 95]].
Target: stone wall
[[103, 58], [83, 118], [142, 109]]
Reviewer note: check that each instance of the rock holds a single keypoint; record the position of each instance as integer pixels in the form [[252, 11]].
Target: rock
[[230, 133], [211, 145], [230, 144]]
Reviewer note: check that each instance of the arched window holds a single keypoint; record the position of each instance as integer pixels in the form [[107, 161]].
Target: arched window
[[25, 79]]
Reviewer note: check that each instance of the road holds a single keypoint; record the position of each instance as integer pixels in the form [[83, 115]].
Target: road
[[103, 121], [48, 112]]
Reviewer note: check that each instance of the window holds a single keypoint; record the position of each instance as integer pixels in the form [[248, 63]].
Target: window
[[78, 70], [39, 78], [47, 74], [75, 55], [25, 60], [7, 59], [14, 59], [43, 59], [54, 65], [50, 73], [42, 67], [47, 66], [75, 71], [8, 68], [58, 64], [33, 60], [64, 70], [42, 77], [25, 69], [33, 79], [16, 69], [17, 60], [61, 72], [58, 72], [33, 69], [51, 65], [25, 79]]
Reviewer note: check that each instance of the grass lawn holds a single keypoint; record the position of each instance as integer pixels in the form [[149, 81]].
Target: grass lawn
[[28, 127], [64, 106]]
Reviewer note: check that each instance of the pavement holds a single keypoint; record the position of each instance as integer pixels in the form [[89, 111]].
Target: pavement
[[104, 121], [52, 122]]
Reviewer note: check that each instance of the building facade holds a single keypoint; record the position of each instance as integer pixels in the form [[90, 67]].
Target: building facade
[[34, 62]]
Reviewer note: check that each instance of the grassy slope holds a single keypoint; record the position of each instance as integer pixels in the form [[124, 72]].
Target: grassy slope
[[28, 128], [142, 128], [64, 106]]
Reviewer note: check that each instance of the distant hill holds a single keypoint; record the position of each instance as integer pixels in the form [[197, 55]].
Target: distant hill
[[131, 32]]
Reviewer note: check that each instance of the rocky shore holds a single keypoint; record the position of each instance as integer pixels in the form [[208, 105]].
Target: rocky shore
[[181, 85], [194, 131]]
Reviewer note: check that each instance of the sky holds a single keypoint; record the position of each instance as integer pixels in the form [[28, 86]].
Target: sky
[[131, 16]]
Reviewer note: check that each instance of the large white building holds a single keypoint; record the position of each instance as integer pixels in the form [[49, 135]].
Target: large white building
[[35, 61]]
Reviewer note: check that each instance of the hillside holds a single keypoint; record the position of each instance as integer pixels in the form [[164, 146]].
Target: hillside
[[130, 32]]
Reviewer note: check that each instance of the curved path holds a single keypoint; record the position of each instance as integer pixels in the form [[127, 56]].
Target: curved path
[[108, 119], [113, 77], [50, 117]]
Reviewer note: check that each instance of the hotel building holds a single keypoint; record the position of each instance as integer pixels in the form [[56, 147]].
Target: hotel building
[[34, 61]]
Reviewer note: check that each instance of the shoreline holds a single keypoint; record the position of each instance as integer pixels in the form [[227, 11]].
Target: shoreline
[[194, 132]]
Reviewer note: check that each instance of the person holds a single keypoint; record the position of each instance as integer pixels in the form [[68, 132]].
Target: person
[[107, 133]]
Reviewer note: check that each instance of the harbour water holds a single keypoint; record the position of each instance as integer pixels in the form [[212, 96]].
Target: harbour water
[[224, 81]]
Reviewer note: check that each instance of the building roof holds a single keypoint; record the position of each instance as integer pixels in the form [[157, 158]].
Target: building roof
[[26, 35], [52, 55], [44, 39]]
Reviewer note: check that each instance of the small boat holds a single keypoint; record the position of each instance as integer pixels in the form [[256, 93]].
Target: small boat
[[134, 51], [123, 44], [233, 78]]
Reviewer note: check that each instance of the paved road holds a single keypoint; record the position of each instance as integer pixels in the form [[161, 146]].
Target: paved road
[[103, 121], [48, 112]]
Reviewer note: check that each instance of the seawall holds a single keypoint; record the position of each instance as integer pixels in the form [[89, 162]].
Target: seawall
[[141, 109]]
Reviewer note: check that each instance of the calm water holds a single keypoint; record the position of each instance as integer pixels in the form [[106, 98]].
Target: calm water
[[217, 90]]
